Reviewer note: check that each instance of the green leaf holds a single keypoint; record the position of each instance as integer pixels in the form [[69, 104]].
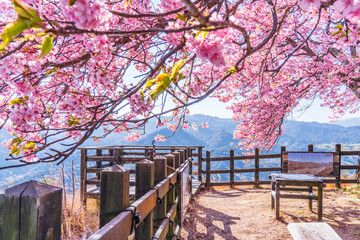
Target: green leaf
[[232, 70], [150, 82], [181, 77], [16, 141], [198, 79], [26, 13], [128, 3], [339, 26], [73, 121], [205, 33], [161, 85], [14, 150], [47, 45], [72, 2], [181, 17], [50, 71], [29, 145], [175, 69], [336, 33], [13, 29], [16, 101]]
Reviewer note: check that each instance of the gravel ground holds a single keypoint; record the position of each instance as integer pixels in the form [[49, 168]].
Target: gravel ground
[[245, 213]]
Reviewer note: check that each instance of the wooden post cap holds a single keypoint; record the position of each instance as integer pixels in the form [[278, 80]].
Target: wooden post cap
[[32, 188], [144, 161], [116, 168], [31, 210]]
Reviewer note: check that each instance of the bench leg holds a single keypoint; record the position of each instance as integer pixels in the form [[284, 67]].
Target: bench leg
[[310, 200], [272, 197], [277, 200], [320, 199]]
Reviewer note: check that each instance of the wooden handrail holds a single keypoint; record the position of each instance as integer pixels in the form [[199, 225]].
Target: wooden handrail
[[120, 226]]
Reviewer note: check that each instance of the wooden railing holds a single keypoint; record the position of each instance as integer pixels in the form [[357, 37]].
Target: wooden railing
[[161, 198], [160, 207], [95, 159], [256, 157]]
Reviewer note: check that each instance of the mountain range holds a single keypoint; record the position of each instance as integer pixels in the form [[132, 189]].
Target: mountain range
[[218, 139]]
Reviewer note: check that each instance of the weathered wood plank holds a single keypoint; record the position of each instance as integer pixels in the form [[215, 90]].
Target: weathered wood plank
[[207, 183], [348, 153], [83, 166], [350, 166], [160, 164], [232, 168], [312, 231], [100, 158], [257, 167], [200, 160], [31, 210], [114, 194], [144, 183]]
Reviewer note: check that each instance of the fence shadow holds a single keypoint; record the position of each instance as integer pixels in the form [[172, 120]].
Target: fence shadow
[[207, 223]]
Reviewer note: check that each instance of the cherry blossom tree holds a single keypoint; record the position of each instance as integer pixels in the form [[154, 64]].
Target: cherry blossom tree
[[70, 67]]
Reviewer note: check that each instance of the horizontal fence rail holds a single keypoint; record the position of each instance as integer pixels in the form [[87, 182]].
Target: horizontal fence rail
[[134, 216], [95, 159], [256, 157]]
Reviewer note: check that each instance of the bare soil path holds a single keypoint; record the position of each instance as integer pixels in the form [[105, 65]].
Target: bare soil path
[[245, 213]]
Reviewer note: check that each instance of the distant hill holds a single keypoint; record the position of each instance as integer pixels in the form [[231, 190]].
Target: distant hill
[[179, 138], [349, 122], [218, 139]]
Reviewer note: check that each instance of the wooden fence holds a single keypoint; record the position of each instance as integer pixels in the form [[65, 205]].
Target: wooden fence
[[256, 157], [95, 159], [162, 191]]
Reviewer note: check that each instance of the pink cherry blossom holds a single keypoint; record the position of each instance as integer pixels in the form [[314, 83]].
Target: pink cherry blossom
[[160, 138], [205, 125]]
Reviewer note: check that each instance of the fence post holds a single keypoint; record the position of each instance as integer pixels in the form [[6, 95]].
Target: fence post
[[83, 166], [111, 153], [190, 169], [257, 178], [207, 184], [160, 166], [171, 193], [232, 168], [31, 210], [144, 182], [191, 161], [147, 152], [98, 163], [177, 159], [310, 148], [182, 157], [179, 197], [121, 155], [283, 149], [200, 164], [114, 194], [170, 162], [117, 157], [338, 178]]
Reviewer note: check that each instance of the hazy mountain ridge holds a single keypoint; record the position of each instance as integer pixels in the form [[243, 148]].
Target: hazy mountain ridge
[[349, 122], [218, 139]]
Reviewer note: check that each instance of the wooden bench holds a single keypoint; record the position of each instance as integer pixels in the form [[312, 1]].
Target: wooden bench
[[312, 231], [305, 182]]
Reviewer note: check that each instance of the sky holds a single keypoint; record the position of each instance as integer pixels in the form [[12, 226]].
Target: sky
[[315, 113]]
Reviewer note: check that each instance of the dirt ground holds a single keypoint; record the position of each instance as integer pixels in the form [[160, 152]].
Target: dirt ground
[[245, 213]]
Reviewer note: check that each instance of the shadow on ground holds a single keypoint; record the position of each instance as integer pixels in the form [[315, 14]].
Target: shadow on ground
[[245, 213]]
